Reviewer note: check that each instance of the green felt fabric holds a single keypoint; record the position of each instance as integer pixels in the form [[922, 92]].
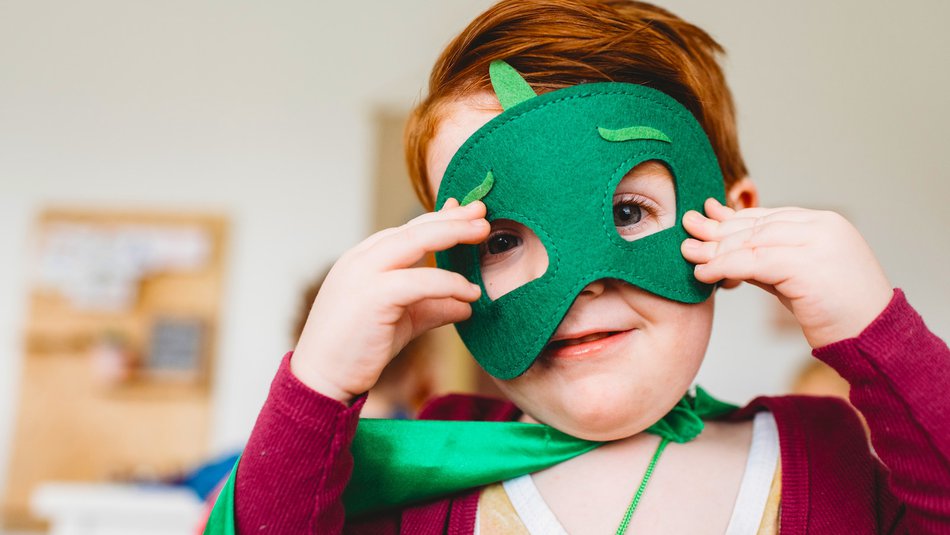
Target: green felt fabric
[[510, 88], [480, 190], [633, 133], [555, 173]]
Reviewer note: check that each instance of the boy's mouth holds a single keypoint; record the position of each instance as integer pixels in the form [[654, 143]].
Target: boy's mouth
[[584, 345], [581, 340]]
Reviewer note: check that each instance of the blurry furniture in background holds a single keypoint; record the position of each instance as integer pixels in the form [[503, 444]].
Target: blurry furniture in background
[[119, 349], [117, 509], [815, 378]]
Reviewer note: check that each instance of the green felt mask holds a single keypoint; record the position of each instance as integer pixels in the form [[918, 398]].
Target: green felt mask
[[552, 163]]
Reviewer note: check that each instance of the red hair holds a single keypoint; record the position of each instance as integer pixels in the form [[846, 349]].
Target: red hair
[[561, 43]]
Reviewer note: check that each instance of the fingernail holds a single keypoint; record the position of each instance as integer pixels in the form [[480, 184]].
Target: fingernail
[[691, 244], [478, 222]]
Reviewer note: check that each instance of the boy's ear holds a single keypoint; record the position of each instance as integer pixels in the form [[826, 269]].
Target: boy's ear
[[742, 194]]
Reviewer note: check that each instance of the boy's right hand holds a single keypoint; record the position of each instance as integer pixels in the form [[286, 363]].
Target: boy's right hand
[[376, 299]]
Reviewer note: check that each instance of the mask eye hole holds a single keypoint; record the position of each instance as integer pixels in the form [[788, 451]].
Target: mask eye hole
[[644, 201], [510, 257]]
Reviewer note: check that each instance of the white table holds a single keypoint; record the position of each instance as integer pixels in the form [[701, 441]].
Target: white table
[[117, 509]]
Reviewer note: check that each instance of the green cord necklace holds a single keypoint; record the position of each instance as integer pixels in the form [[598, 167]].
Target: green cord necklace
[[643, 485]]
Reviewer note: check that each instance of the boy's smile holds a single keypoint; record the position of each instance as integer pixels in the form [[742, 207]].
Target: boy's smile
[[583, 345]]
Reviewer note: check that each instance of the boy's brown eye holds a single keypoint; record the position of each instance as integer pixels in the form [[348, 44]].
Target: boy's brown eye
[[626, 214], [501, 242]]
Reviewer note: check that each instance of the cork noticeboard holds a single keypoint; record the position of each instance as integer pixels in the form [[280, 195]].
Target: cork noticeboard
[[118, 349]]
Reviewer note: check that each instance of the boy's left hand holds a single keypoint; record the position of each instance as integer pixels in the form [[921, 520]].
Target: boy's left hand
[[815, 262]]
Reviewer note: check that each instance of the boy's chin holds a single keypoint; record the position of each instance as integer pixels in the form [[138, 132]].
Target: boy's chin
[[606, 435], [604, 414], [615, 425]]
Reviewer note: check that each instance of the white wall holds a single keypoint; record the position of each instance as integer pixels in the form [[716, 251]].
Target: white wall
[[261, 111]]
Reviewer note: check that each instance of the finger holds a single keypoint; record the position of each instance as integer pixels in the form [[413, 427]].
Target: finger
[[704, 227], [698, 252], [764, 233], [716, 210], [767, 265], [728, 284], [708, 229], [432, 313], [773, 234], [405, 287], [772, 290], [404, 248], [450, 211]]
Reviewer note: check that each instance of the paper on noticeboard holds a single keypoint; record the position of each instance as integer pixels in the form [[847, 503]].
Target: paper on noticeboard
[[100, 268]]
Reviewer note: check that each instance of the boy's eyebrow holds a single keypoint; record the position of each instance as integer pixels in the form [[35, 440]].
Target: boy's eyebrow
[[632, 133]]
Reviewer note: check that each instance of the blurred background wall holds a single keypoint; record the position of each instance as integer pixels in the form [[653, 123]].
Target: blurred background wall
[[266, 112]]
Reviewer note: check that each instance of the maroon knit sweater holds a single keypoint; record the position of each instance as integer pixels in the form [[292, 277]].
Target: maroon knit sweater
[[297, 462]]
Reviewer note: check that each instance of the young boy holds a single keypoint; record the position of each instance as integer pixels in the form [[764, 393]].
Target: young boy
[[610, 354]]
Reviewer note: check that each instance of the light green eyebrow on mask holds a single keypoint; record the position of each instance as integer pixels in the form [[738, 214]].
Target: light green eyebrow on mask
[[633, 133], [480, 190]]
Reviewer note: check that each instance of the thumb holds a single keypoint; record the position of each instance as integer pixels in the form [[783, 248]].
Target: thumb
[[432, 313]]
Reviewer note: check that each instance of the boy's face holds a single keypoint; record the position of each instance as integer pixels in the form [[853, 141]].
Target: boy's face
[[622, 357]]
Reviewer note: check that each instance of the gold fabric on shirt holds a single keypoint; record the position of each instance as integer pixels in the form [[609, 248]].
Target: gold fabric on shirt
[[770, 516], [496, 514]]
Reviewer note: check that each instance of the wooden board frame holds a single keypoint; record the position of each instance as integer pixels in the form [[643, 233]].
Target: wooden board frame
[[72, 426]]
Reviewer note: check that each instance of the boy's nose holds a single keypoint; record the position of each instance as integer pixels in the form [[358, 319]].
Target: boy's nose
[[595, 288]]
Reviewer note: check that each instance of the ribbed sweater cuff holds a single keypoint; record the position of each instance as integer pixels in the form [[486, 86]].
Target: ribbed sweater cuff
[[305, 406], [896, 324], [297, 454]]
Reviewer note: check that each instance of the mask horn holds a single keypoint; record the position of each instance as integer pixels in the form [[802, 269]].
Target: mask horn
[[510, 88]]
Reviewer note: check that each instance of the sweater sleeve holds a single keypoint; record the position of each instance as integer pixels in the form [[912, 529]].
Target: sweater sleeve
[[297, 461], [899, 374]]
